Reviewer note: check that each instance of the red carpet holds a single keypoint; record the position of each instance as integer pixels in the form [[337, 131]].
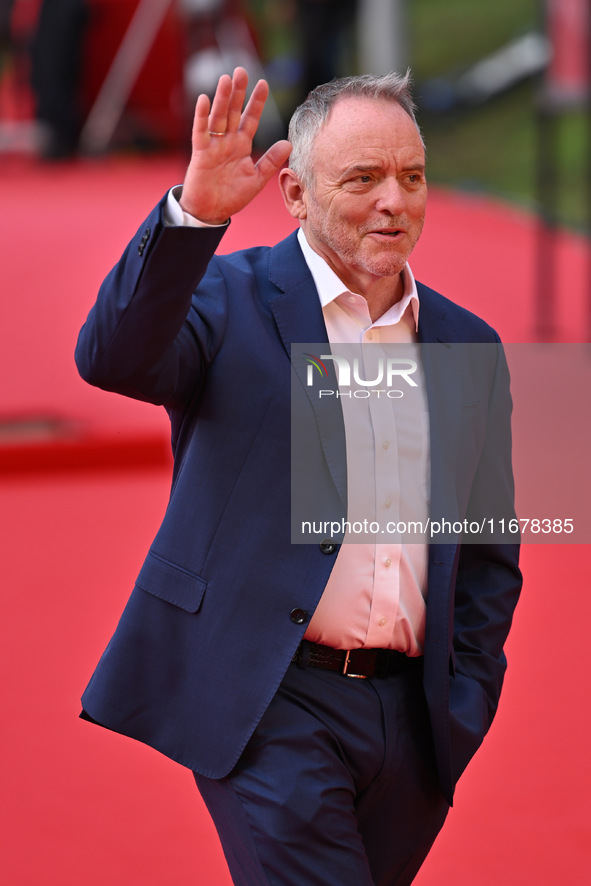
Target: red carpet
[[83, 807]]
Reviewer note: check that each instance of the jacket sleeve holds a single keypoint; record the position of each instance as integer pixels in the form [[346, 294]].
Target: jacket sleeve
[[487, 586], [136, 340]]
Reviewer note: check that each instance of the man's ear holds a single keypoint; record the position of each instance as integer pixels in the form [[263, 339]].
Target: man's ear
[[294, 193]]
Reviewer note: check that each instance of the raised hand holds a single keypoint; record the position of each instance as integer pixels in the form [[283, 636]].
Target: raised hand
[[222, 177]]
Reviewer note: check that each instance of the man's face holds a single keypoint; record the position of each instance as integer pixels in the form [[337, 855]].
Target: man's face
[[365, 207]]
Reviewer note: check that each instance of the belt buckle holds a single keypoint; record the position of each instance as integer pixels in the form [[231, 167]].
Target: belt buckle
[[345, 669]]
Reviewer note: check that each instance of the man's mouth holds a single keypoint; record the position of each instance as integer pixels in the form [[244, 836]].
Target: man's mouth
[[388, 232]]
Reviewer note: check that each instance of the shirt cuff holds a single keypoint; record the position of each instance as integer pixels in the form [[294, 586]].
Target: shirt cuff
[[174, 215]]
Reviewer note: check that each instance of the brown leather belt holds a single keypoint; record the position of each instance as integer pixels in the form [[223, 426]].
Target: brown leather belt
[[361, 663]]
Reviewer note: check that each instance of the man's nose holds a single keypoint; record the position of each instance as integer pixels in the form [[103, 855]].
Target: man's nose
[[391, 196]]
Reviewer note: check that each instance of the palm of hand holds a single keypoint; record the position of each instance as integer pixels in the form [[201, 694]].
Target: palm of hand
[[222, 177]]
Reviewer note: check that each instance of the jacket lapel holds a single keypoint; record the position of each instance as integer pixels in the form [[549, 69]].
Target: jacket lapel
[[444, 396], [298, 314]]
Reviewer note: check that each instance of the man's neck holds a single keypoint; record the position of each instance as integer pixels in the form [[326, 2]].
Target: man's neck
[[379, 292], [383, 295]]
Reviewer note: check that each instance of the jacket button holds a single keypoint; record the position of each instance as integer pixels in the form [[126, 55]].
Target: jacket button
[[143, 241], [298, 616], [328, 546]]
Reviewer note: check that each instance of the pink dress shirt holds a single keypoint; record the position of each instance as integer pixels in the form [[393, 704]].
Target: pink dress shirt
[[376, 593]]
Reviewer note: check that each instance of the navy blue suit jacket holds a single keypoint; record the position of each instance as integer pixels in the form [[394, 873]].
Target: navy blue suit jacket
[[207, 634]]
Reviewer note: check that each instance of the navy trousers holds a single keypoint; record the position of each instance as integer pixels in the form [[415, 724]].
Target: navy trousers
[[337, 786]]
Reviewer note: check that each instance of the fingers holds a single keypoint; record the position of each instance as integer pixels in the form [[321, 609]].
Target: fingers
[[273, 160], [225, 113], [236, 102], [225, 94], [200, 121], [252, 113]]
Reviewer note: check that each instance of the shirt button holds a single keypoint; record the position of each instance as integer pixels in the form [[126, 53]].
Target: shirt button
[[370, 336], [382, 622], [386, 444], [388, 503], [298, 616], [328, 546], [351, 299], [387, 562]]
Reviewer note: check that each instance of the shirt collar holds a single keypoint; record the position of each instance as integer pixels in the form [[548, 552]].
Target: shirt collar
[[330, 286]]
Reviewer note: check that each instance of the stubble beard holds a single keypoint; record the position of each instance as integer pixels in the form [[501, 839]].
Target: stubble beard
[[352, 255]]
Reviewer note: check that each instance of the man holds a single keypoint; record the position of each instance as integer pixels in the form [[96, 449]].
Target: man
[[236, 652]]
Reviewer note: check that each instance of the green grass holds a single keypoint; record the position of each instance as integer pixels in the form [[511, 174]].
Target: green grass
[[493, 148], [450, 34]]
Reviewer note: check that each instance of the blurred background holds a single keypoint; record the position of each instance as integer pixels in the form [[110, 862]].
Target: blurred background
[[497, 85], [96, 100]]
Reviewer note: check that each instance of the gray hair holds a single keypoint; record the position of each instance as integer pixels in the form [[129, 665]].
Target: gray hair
[[308, 119]]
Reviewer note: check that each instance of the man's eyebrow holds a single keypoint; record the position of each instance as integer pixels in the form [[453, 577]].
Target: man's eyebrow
[[361, 167], [376, 167]]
